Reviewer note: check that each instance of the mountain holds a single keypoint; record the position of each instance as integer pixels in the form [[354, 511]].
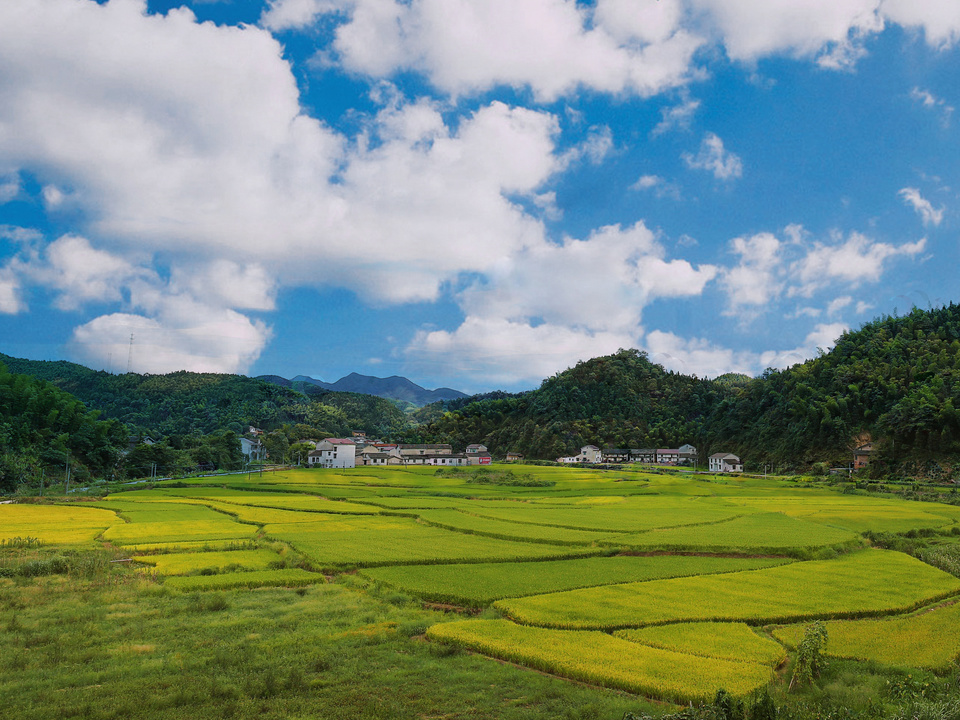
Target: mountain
[[391, 388]]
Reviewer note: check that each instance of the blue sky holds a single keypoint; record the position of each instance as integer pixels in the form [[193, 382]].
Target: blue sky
[[470, 193]]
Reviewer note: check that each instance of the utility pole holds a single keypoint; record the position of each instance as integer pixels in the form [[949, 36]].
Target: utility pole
[[42, 471], [67, 482], [130, 353]]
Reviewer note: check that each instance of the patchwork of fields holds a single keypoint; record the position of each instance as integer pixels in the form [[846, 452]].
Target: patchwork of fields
[[656, 584]]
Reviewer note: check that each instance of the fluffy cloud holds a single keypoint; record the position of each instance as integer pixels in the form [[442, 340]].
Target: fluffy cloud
[[508, 352], [716, 159], [924, 208], [934, 103], [940, 21], [850, 262], [677, 116], [185, 334], [10, 300], [697, 356], [517, 309], [757, 279], [550, 46]]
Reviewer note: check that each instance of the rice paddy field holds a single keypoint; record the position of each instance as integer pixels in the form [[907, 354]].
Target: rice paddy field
[[393, 592]]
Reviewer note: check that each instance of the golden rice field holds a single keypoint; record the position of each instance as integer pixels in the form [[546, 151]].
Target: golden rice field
[[926, 639], [54, 524], [655, 584], [607, 660]]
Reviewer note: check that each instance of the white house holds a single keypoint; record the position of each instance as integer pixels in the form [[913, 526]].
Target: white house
[[252, 449], [333, 453], [725, 462], [688, 454], [588, 454]]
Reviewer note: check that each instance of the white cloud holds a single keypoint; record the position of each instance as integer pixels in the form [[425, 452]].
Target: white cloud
[[609, 279], [697, 356], [79, 273], [757, 279], [10, 301], [678, 116], [9, 188], [661, 188], [714, 158], [939, 20], [933, 103], [838, 304], [551, 46], [850, 263], [501, 351], [802, 28], [929, 214], [184, 335]]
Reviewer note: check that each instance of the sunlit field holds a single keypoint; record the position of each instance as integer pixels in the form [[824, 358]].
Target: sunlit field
[[392, 593]]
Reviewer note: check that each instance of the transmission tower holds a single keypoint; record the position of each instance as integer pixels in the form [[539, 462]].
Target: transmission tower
[[130, 353]]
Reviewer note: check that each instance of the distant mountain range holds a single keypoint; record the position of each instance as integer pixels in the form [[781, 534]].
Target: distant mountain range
[[392, 388]]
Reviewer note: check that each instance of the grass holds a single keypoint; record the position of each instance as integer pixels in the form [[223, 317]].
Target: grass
[[469, 523], [865, 583], [480, 584], [606, 660]]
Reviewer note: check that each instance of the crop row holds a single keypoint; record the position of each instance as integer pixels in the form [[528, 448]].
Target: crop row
[[728, 641], [596, 657], [480, 584], [214, 561], [293, 577], [926, 639], [866, 583], [54, 524]]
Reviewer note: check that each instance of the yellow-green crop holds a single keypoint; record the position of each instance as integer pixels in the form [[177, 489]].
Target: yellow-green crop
[[731, 641], [599, 658]]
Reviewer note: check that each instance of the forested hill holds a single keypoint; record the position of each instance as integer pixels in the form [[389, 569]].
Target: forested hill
[[43, 426], [896, 381], [186, 403], [621, 400]]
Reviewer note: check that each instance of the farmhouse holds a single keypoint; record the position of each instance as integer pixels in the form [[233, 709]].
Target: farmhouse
[[725, 462], [333, 453], [252, 449], [408, 451], [861, 456], [588, 454], [513, 457]]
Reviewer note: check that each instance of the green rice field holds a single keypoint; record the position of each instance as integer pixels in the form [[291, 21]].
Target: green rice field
[[627, 590]]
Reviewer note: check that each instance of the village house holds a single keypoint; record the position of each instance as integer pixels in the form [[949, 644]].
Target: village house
[[647, 456], [588, 454], [615, 455], [688, 454], [861, 456], [252, 450], [408, 451], [668, 457], [725, 462], [333, 453], [513, 457]]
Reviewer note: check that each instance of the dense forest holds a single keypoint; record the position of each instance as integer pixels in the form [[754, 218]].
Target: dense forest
[[42, 426], [895, 381], [187, 403]]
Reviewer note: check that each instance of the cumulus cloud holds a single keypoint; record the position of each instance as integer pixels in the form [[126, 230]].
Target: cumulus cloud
[[509, 352], [939, 21], [716, 159], [184, 335], [552, 47], [924, 208], [933, 103], [660, 187], [10, 301], [757, 279], [9, 188], [609, 278], [852, 261]]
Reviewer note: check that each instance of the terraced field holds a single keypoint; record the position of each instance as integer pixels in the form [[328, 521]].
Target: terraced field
[[656, 584]]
